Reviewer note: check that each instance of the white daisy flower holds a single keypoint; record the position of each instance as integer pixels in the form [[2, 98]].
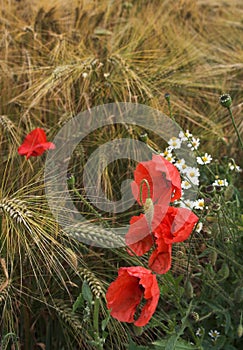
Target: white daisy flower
[[183, 168], [179, 163], [192, 175], [206, 159], [166, 152], [220, 182], [199, 227], [214, 334], [233, 166], [194, 143], [199, 204], [174, 143], [84, 75], [185, 184], [199, 332], [106, 75], [187, 203], [168, 155], [184, 136]]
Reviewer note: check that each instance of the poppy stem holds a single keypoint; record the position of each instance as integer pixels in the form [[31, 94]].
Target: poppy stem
[[235, 127], [144, 181]]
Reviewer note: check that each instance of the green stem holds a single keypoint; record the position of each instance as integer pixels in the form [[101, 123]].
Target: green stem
[[96, 322], [236, 129]]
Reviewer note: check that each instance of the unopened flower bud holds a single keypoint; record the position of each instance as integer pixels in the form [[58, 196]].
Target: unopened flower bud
[[210, 189], [238, 295], [195, 316], [188, 289], [70, 179], [225, 100], [216, 207], [227, 240], [240, 330], [144, 137], [229, 192], [213, 257], [149, 210], [167, 96]]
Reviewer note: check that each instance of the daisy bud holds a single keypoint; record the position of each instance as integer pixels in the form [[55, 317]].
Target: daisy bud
[[144, 137], [210, 189], [225, 100], [70, 180], [227, 240], [216, 207], [195, 316]]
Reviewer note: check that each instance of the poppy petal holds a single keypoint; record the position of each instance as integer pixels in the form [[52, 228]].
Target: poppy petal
[[126, 292], [160, 259], [171, 173], [123, 297], [35, 144], [138, 238]]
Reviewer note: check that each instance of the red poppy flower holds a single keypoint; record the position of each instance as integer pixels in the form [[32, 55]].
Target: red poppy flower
[[139, 237], [35, 144], [163, 178], [125, 294], [168, 226], [160, 259], [176, 225]]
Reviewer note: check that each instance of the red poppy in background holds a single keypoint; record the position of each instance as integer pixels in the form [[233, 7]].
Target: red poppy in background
[[35, 144], [163, 178], [125, 294]]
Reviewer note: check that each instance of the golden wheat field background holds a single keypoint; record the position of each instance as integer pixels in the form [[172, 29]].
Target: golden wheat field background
[[59, 58]]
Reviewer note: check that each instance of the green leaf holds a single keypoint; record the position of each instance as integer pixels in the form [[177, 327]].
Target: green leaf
[[78, 304], [105, 322], [86, 292], [180, 345], [134, 346]]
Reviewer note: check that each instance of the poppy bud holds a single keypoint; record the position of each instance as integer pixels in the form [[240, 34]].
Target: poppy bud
[[240, 330], [167, 97], [229, 192], [188, 289], [149, 210], [223, 273], [225, 100], [213, 257], [238, 295]]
